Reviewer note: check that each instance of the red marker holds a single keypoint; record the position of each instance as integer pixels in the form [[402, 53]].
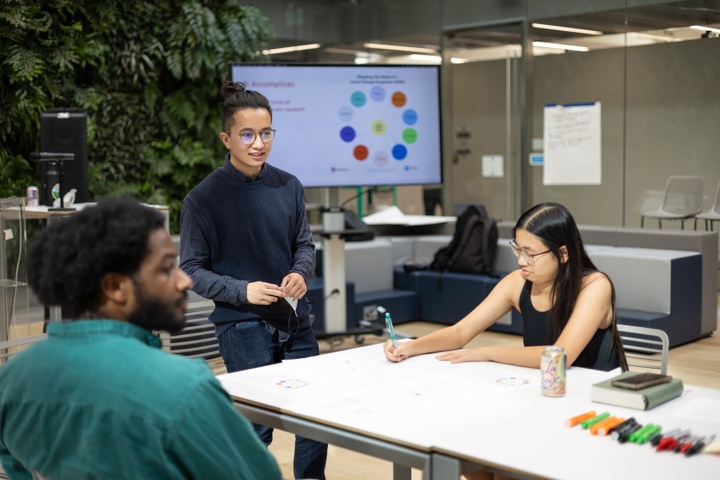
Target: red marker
[[687, 443], [655, 440], [670, 442]]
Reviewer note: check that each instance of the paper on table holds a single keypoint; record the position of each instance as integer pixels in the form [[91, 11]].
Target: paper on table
[[394, 216], [700, 409]]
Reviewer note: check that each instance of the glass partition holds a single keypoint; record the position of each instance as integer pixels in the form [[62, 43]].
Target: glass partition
[[647, 75], [485, 94]]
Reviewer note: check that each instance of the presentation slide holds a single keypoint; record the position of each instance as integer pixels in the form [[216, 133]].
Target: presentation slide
[[352, 125]]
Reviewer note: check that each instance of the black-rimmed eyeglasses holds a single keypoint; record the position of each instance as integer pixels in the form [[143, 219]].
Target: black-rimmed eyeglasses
[[248, 138]]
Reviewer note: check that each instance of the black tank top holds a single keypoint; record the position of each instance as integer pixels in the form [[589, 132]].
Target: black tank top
[[599, 354]]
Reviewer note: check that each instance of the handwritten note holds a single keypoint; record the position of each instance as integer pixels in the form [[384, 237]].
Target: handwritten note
[[572, 145]]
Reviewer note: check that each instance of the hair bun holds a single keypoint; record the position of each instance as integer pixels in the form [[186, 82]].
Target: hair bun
[[230, 88]]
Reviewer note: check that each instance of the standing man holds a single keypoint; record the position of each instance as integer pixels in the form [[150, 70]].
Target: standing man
[[246, 243], [98, 398]]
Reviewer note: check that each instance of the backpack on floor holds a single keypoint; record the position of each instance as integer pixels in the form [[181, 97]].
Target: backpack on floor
[[473, 246]]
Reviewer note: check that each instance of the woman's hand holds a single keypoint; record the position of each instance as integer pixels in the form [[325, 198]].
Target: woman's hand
[[396, 354]]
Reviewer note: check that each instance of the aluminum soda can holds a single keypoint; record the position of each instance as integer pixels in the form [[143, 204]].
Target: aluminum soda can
[[32, 196], [552, 371]]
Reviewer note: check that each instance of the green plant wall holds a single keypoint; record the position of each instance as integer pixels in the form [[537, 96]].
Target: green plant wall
[[148, 73]]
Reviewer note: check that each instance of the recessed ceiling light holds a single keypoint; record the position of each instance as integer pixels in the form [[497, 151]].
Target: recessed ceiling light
[[426, 58], [400, 48], [566, 29], [561, 46], [293, 48]]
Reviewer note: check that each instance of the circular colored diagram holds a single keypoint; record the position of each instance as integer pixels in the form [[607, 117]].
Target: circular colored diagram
[[512, 381], [292, 383], [360, 152], [378, 125]]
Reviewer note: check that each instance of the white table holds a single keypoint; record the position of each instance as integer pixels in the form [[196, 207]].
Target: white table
[[527, 436], [445, 419], [44, 212]]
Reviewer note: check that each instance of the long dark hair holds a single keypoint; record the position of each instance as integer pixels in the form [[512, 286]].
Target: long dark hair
[[236, 97], [555, 226]]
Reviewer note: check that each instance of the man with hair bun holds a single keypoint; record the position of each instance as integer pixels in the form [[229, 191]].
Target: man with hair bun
[[246, 243], [99, 398]]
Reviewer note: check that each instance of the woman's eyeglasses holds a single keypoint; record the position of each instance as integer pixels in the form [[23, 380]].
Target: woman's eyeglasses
[[528, 257]]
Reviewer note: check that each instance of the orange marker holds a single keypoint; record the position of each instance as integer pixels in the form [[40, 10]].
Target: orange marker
[[605, 429], [601, 424], [580, 418]]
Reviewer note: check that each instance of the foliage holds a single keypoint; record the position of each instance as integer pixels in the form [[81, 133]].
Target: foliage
[[148, 74]]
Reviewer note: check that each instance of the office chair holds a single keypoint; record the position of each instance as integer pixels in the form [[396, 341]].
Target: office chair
[[646, 348], [683, 199], [712, 215], [197, 339]]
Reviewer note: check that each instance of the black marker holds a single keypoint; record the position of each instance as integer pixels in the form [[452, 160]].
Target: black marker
[[622, 425], [615, 431], [699, 445], [623, 436]]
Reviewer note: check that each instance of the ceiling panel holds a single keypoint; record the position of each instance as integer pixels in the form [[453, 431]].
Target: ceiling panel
[[664, 22]]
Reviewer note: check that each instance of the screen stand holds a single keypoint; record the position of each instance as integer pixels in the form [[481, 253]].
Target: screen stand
[[334, 291]]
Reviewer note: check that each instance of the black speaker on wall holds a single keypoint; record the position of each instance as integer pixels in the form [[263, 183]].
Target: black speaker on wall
[[64, 130]]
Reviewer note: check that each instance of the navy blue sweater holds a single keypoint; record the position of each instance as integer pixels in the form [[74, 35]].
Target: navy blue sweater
[[235, 231]]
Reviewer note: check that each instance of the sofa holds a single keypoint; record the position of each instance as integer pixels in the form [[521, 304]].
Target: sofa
[[665, 279]]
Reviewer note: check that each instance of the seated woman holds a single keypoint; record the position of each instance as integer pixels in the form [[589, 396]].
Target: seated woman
[[563, 298]]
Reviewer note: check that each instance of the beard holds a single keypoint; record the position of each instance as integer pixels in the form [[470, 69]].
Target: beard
[[155, 314]]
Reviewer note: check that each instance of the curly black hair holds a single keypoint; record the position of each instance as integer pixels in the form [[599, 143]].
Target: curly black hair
[[67, 260]]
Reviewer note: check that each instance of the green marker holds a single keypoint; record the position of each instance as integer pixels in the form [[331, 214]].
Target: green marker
[[642, 439], [594, 420], [637, 433]]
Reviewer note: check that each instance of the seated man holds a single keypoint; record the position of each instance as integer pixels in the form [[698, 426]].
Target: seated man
[[99, 398]]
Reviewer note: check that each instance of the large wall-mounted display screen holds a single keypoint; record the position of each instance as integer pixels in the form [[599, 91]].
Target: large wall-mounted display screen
[[352, 125]]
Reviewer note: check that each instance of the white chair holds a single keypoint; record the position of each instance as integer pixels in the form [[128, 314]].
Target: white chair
[[11, 347], [712, 215], [197, 339], [645, 348], [683, 199]]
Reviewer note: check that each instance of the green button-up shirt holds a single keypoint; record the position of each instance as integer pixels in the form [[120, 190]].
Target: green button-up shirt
[[99, 399]]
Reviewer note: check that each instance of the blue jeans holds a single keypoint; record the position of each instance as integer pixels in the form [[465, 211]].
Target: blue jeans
[[253, 344]]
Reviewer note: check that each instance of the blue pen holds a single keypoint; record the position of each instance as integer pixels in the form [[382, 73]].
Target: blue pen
[[388, 322]]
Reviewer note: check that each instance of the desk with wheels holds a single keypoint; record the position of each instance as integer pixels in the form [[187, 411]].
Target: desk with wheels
[[334, 285]]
